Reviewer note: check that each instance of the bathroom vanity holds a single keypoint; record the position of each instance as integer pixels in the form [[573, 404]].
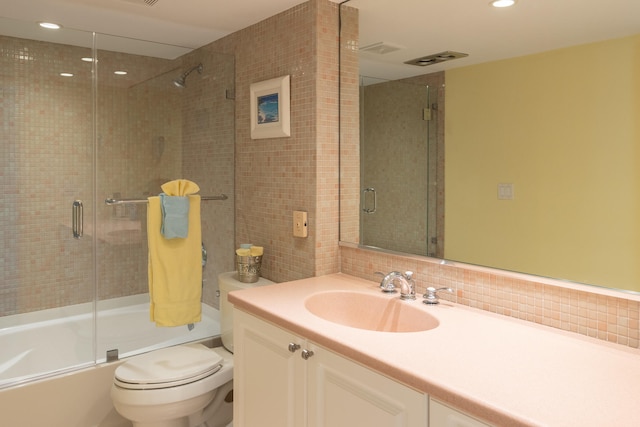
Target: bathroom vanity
[[287, 380], [462, 367]]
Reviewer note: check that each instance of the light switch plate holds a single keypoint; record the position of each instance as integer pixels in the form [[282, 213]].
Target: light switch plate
[[300, 224], [505, 191]]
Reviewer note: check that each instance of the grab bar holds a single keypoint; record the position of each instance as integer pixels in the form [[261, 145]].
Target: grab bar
[[112, 202], [77, 217]]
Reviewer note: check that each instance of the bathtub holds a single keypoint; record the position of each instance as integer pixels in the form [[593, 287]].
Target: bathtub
[[49, 342]]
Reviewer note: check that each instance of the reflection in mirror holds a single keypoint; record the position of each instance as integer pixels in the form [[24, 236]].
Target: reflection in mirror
[[400, 149], [557, 129]]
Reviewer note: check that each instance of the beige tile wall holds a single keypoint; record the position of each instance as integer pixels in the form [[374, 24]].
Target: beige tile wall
[[46, 130], [278, 175], [349, 127], [208, 135]]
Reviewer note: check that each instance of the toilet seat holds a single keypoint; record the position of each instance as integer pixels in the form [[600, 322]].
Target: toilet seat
[[168, 367]]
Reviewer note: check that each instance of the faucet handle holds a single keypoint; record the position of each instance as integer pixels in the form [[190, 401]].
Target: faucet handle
[[408, 293], [431, 296]]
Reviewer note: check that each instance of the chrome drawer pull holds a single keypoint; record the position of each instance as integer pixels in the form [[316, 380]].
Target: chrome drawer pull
[[293, 347]]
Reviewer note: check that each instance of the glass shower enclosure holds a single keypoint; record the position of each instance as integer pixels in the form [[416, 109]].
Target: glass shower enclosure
[[401, 162], [88, 117]]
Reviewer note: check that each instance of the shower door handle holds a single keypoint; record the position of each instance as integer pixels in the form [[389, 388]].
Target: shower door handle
[[366, 208], [77, 219]]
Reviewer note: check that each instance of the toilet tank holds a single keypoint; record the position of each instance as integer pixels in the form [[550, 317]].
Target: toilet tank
[[229, 282]]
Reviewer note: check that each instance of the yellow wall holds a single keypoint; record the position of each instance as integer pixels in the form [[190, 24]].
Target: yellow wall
[[563, 127]]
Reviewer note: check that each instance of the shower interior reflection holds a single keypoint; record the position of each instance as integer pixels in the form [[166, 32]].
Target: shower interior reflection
[[93, 135]]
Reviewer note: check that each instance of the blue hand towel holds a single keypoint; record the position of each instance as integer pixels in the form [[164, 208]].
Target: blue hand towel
[[175, 216]]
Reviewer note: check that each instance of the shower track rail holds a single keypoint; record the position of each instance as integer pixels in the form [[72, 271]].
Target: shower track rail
[[113, 202]]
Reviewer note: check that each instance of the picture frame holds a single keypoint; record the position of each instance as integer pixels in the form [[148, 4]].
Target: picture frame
[[270, 108]]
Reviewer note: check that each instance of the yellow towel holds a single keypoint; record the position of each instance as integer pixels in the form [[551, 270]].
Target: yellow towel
[[252, 251], [180, 187], [175, 265]]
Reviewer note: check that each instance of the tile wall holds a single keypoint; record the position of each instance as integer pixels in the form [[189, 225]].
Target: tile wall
[[46, 130], [276, 176]]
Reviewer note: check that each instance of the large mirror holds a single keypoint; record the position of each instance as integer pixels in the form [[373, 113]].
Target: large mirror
[[539, 133]]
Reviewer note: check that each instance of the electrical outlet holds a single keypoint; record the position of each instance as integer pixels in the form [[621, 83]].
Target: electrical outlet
[[300, 224]]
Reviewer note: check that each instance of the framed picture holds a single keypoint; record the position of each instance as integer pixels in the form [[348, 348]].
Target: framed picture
[[270, 110]]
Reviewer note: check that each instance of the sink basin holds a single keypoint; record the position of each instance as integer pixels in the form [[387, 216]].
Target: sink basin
[[370, 311]]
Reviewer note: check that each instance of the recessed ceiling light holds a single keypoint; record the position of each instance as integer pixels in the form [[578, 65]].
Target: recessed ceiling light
[[66, 74], [120, 73], [50, 25], [503, 3]]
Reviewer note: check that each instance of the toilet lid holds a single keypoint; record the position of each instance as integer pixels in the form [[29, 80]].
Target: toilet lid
[[168, 367]]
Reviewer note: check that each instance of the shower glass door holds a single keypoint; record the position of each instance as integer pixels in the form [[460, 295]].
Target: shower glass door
[[139, 144], [397, 200], [85, 118], [46, 167], [150, 131]]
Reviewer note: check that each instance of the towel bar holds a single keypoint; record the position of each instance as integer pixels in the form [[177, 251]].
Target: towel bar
[[112, 202]]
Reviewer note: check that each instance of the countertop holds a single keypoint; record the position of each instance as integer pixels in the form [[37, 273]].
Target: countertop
[[502, 370]]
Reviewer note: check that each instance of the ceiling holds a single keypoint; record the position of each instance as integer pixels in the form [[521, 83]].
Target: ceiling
[[418, 27], [186, 23], [424, 27]]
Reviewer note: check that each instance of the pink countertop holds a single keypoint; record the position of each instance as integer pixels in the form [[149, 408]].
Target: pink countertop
[[502, 370]]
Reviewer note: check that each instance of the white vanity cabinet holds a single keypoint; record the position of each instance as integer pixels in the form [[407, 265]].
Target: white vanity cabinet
[[441, 415], [283, 380]]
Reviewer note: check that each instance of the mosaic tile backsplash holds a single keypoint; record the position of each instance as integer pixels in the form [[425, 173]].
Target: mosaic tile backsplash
[[573, 308]]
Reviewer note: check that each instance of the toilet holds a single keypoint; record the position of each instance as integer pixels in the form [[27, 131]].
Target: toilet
[[188, 385]]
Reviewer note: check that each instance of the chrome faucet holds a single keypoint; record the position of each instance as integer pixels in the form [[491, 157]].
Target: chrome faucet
[[407, 285], [431, 296]]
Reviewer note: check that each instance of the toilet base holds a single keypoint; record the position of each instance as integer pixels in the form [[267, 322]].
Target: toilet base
[[218, 413]]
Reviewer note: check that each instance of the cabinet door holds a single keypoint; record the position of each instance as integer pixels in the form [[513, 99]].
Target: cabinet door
[[441, 415], [268, 377], [342, 393]]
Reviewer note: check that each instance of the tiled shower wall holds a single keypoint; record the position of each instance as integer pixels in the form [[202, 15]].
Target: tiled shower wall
[[139, 145], [207, 108], [46, 131], [147, 132]]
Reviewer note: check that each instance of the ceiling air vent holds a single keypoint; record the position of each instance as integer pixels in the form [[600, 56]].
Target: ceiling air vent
[[436, 58], [381, 48], [147, 2]]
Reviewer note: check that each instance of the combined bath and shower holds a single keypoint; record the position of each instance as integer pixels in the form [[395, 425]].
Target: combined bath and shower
[[181, 81]]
